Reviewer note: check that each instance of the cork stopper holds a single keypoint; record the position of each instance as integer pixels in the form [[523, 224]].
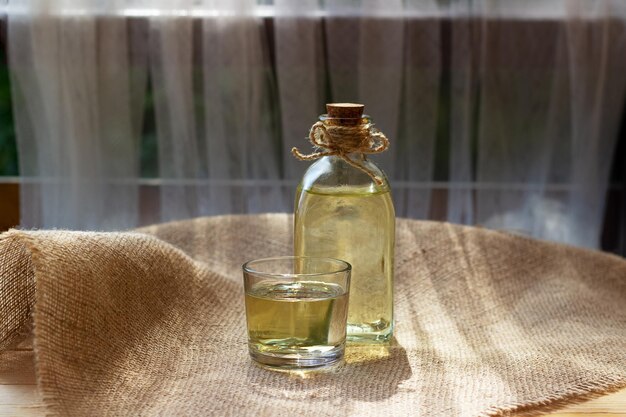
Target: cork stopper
[[345, 110]]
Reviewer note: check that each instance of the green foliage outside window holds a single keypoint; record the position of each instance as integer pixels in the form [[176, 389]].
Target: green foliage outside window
[[8, 148]]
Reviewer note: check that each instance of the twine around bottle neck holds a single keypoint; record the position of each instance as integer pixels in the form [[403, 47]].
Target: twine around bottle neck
[[344, 139]]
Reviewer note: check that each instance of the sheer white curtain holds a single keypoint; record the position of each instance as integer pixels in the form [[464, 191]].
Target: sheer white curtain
[[501, 113]]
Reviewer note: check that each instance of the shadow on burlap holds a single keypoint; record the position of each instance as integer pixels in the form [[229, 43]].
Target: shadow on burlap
[[152, 323]]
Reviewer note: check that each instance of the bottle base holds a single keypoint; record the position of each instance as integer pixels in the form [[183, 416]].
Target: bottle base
[[366, 333]]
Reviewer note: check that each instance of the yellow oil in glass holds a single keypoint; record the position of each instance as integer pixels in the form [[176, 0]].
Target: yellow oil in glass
[[296, 317], [357, 225]]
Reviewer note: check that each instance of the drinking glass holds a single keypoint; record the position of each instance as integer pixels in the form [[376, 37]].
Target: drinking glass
[[296, 310]]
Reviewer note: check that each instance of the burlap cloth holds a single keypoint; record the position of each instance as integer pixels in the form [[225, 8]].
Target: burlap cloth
[[152, 323]]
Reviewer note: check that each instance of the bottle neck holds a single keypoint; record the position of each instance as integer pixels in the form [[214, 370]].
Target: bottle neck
[[355, 156]]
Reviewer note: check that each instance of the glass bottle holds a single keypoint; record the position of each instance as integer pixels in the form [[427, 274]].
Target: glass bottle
[[343, 212]]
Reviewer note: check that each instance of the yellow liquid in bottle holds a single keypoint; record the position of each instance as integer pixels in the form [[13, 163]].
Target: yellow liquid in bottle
[[356, 225]]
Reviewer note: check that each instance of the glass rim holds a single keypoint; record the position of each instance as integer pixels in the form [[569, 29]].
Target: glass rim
[[247, 267]]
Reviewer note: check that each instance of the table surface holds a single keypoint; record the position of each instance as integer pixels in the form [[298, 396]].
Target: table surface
[[19, 396]]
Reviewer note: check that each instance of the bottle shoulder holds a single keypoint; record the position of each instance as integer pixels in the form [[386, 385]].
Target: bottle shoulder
[[331, 174]]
